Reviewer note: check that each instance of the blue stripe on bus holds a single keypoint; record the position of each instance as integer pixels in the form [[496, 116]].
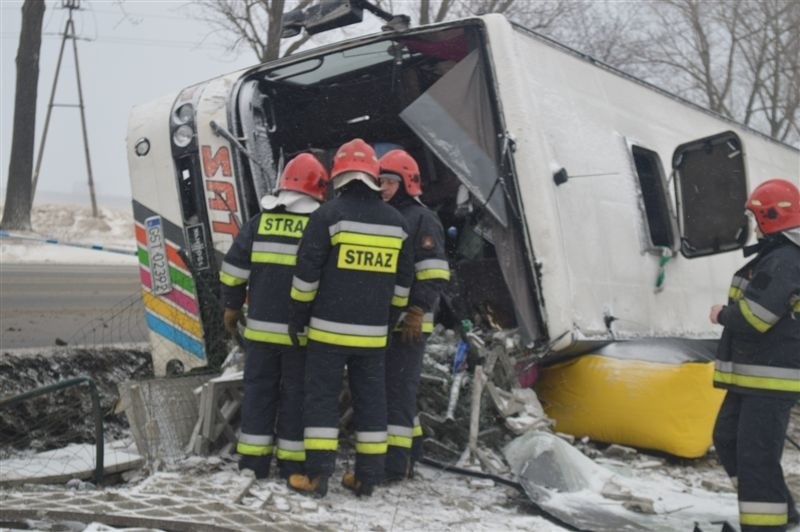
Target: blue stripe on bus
[[175, 335]]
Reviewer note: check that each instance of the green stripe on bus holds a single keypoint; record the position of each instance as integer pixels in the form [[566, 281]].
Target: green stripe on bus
[[177, 276]]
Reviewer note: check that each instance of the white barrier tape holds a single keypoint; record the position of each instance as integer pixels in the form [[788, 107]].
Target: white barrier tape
[[6, 234]]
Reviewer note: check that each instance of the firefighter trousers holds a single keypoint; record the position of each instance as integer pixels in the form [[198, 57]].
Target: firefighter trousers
[[323, 383], [403, 368], [749, 437], [273, 388]]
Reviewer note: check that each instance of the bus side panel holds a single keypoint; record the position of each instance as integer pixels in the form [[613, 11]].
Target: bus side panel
[[219, 182], [598, 280], [168, 289]]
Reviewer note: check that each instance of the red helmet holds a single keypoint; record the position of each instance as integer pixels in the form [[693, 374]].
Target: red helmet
[[356, 156], [400, 163], [305, 174], [776, 206]]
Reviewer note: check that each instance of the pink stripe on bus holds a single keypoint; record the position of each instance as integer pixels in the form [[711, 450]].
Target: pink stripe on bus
[[176, 296]]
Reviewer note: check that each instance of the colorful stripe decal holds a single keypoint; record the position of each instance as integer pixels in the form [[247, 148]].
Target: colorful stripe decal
[[173, 315], [172, 251], [186, 302], [172, 231], [174, 335], [178, 277]]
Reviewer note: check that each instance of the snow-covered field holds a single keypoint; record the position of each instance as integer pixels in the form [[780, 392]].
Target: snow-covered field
[[75, 229], [682, 491]]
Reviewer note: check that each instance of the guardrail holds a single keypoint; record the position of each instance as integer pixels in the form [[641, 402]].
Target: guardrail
[[98, 417]]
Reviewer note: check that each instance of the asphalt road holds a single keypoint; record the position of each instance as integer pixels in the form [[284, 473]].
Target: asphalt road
[[42, 305]]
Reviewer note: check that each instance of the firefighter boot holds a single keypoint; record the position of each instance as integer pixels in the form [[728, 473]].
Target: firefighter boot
[[358, 487], [257, 464], [396, 476], [316, 487], [793, 517]]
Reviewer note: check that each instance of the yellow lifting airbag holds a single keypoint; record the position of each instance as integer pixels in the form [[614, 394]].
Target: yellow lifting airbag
[[650, 405]]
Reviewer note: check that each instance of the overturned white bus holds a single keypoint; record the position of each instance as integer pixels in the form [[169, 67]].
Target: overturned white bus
[[589, 205]]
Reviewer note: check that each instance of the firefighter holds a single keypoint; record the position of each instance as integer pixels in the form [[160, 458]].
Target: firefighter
[[259, 266], [401, 188], [353, 275], [758, 360]]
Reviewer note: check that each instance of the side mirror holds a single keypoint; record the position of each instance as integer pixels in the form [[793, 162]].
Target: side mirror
[[327, 15], [292, 23]]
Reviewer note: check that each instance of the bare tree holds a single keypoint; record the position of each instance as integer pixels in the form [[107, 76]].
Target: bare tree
[[770, 50], [537, 15], [17, 211], [604, 30], [252, 23], [542, 16], [256, 24], [740, 58]]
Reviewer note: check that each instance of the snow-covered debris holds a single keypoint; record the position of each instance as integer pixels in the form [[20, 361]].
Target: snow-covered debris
[[64, 416]]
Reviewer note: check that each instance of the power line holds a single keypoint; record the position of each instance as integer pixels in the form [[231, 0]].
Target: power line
[[10, 7], [138, 14], [128, 40]]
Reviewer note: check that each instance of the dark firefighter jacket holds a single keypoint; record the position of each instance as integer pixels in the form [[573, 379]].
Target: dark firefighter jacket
[[431, 271], [759, 352], [262, 258], [354, 263]]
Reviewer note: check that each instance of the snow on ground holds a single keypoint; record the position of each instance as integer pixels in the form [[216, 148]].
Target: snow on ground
[[432, 501], [72, 224]]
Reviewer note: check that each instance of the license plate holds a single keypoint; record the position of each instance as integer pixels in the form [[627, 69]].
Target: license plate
[[160, 282]]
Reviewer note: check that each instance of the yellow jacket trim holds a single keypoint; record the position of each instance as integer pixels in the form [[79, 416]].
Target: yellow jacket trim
[[762, 383], [433, 273], [347, 340], [399, 441], [371, 448], [757, 323], [417, 431], [345, 237], [763, 519], [398, 301], [291, 456], [253, 450], [266, 257], [272, 337], [305, 297], [321, 444], [229, 280]]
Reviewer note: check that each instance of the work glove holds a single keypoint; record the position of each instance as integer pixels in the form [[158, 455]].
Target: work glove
[[231, 320], [411, 326], [293, 332], [298, 319]]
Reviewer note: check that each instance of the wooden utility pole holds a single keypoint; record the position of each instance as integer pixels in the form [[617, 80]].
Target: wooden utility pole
[[17, 211], [69, 33]]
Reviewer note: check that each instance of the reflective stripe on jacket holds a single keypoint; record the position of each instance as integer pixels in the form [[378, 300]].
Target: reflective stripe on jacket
[[431, 270], [759, 351], [353, 264], [261, 261]]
